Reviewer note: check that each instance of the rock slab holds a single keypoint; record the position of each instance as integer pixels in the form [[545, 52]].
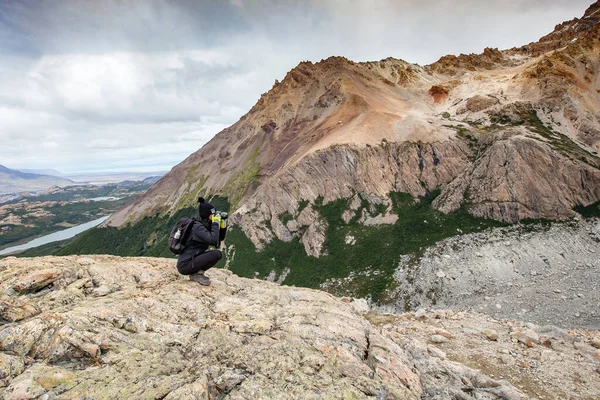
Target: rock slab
[[156, 334]]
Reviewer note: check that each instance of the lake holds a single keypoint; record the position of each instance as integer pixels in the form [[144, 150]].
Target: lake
[[55, 237], [104, 198]]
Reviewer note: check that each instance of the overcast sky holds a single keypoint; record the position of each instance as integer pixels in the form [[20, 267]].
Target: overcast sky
[[99, 85]]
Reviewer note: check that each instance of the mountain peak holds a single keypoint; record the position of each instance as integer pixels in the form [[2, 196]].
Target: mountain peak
[[566, 32], [592, 12]]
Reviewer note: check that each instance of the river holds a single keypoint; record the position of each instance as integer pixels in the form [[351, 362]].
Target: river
[[104, 198], [54, 237]]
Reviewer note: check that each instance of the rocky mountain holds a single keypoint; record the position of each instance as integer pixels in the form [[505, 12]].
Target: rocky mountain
[[12, 181], [344, 170], [511, 134], [104, 327]]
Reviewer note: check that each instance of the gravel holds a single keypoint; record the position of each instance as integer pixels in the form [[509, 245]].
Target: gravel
[[539, 273]]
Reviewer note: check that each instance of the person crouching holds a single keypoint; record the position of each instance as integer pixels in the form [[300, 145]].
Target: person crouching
[[196, 259]]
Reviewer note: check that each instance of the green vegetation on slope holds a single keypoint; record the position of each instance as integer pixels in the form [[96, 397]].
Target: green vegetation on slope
[[371, 260], [592, 210], [147, 237], [558, 141], [248, 177], [521, 114]]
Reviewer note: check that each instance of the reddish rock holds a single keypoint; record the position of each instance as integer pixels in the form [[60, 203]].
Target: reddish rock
[[36, 281], [13, 310], [439, 93]]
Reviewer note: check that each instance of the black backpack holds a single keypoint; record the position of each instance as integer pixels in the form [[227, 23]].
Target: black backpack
[[180, 234]]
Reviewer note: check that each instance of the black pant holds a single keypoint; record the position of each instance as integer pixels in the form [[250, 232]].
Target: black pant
[[200, 262]]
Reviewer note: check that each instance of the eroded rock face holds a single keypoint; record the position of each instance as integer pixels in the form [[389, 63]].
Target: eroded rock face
[[156, 334], [480, 103], [338, 173], [511, 181]]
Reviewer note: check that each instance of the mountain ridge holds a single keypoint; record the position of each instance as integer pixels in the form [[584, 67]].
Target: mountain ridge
[[12, 181], [51, 172]]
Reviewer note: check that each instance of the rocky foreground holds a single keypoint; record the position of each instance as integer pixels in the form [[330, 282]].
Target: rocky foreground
[[103, 327]]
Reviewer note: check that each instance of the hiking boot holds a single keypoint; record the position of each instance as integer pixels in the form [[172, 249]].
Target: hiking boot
[[200, 278]]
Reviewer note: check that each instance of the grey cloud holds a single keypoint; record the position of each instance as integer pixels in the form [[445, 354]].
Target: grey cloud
[[193, 71], [127, 88], [154, 80], [88, 26]]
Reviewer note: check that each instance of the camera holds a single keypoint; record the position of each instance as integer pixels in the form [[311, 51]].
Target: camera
[[221, 214]]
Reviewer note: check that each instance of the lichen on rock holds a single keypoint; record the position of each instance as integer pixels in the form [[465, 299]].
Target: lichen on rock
[[168, 337]]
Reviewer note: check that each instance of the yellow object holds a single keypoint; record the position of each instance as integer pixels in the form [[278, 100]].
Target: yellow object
[[216, 218], [223, 223]]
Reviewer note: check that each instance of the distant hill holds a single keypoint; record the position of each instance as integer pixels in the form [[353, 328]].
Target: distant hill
[[51, 172], [150, 180], [12, 181], [121, 177]]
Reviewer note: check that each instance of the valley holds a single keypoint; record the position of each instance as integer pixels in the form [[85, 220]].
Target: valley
[[28, 217]]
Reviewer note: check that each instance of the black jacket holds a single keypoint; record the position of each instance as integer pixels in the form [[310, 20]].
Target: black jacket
[[199, 240]]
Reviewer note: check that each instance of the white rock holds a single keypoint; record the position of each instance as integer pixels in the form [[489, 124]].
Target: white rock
[[292, 225], [435, 352], [85, 261], [360, 306], [438, 339], [444, 333], [491, 334], [351, 240], [421, 313]]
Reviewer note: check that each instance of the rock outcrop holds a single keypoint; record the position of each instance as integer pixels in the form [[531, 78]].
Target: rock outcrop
[[101, 327]]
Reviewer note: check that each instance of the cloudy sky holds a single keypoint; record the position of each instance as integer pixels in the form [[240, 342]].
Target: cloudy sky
[[101, 85]]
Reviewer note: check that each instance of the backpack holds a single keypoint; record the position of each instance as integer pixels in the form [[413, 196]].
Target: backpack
[[179, 234]]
